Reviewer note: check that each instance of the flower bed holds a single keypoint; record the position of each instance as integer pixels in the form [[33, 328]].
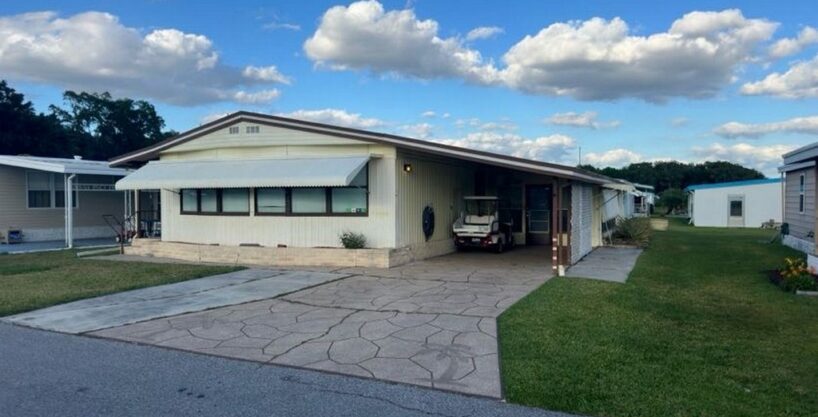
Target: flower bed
[[795, 276]]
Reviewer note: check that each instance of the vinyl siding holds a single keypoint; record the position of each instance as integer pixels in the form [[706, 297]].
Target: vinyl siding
[[582, 220], [15, 214], [292, 231], [800, 223], [437, 182]]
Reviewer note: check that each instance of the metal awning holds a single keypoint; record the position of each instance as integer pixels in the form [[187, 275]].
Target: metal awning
[[291, 172]]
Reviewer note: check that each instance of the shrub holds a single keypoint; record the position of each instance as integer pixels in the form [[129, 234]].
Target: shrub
[[635, 231], [352, 240], [795, 275]]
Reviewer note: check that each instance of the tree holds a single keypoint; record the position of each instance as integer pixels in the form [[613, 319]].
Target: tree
[[673, 174], [23, 131], [673, 199], [102, 127]]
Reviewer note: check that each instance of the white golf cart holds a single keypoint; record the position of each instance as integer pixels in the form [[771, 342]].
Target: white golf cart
[[479, 226]]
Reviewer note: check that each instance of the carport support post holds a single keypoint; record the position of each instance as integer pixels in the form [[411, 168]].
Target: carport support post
[[68, 199], [555, 227]]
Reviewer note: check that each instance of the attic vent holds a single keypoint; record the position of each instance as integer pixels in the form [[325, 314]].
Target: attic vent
[[252, 129], [234, 130]]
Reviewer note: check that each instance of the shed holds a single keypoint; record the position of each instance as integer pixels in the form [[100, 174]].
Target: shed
[[747, 203]]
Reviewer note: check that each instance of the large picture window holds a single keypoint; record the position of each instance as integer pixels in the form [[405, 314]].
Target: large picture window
[[271, 201], [47, 190], [228, 201]]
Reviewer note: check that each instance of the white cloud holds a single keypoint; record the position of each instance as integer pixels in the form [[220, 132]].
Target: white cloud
[[483, 32], [732, 130], [612, 158], [212, 117], [337, 117], [363, 36], [679, 121], [596, 59], [762, 158], [799, 81], [791, 46], [587, 119], [428, 114], [553, 148], [256, 97], [279, 25], [93, 51], [483, 126], [418, 130], [269, 73], [600, 59], [445, 115]]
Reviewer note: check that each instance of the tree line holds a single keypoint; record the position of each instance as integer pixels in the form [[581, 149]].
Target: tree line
[[93, 125]]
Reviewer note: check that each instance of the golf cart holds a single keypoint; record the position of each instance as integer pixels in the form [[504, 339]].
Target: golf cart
[[479, 226]]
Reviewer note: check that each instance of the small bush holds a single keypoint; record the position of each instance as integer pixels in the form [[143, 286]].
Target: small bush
[[352, 240], [634, 231], [795, 276]]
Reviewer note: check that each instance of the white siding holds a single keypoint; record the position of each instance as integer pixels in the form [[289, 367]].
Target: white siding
[[762, 202], [436, 182], [292, 231], [801, 223]]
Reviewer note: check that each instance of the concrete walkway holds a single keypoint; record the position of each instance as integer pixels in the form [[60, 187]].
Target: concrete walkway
[[429, 323], [169, 300], [27, 247], [606, 264]]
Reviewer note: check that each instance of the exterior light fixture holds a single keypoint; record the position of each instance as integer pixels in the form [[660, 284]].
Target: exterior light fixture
[[407, 168]]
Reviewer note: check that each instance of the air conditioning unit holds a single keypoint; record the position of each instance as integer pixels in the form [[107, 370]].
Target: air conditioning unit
[[10, 236]]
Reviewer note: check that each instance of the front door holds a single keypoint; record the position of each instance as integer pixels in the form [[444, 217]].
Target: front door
[[538, 214], [735, 207]]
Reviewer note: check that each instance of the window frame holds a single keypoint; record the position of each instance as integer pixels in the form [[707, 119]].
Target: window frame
[[53, 191], [288, 202], [219, 211], [801, 188]]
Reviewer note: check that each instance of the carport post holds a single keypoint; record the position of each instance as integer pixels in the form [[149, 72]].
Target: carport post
[[555, 227], [68, 199]]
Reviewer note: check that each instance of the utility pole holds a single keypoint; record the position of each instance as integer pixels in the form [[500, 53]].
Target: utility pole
[[580, 156]]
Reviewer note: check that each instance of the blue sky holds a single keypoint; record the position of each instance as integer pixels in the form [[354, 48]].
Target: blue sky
[[625, 81]]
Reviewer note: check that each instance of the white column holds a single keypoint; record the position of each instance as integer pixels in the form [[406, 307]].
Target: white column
[[69, 210]]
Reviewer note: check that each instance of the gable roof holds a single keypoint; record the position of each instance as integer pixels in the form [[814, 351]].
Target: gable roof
[[62, 165], [562, 171], [732, 184]]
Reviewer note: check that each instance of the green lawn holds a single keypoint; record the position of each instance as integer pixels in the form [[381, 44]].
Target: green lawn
[[37, 280], [697, 331]]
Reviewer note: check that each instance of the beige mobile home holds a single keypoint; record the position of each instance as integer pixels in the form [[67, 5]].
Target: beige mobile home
[[799, 171], [259, 189], [36, 206]]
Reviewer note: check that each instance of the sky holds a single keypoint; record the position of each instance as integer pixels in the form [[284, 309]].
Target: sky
[[604, 83]]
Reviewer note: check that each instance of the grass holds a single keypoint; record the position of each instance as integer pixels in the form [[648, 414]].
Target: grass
[[36, 280], [697, 331]]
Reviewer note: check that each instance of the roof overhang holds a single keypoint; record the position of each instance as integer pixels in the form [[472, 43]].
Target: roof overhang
[[245, 173], [528, 165], [620, 186], [63, 166], [794, 167]]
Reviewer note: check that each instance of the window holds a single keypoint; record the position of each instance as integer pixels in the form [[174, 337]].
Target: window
[[309, 200], [234, 130], [352, 200], [236, 200], [233, 201], [801, 189], [39, 189], [736, 208], [271, 201], [47, 190], [252, 129]]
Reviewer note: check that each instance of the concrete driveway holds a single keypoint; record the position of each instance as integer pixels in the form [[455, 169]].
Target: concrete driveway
[[170, 300], [429, 323]]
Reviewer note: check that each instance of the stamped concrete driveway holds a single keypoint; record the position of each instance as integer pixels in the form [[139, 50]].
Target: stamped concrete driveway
[[430, 323]]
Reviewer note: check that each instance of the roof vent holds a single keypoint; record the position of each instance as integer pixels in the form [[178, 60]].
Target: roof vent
[[78, 157]]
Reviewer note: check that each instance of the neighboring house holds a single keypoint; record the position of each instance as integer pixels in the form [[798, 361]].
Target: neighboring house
[[34, 198], [643, 199], [254, 188], [799, 171], [735, 204]]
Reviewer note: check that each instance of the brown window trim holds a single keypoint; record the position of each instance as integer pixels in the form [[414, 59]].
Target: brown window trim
[[218, 211]]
